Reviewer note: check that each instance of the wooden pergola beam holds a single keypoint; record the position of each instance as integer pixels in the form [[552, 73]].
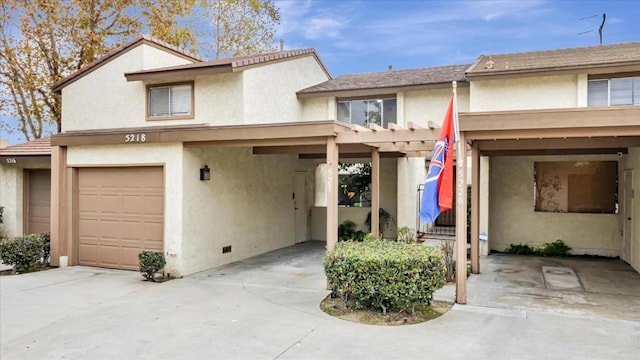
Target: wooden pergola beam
[[569, 143], [386, 136]]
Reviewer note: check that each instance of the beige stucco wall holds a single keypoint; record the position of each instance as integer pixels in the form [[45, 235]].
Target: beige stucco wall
[[411, 173], [270, 91], [633, 163], [315, 109], [168, 155], [125, 104], [218, 99], [544, 92], [11, 194], [431, 105], [512, 218], [247, 204]]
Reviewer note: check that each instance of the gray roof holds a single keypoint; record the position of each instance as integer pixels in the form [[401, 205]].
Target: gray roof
[[562, 59], [391, 79]]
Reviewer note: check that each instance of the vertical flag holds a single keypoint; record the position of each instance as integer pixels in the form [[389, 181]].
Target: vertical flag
[[438, 188]]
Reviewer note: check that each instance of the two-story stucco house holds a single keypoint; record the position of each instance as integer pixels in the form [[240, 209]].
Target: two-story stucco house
[[212, 162]]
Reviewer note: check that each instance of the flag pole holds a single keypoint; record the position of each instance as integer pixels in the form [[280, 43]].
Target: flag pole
[[461, 213]]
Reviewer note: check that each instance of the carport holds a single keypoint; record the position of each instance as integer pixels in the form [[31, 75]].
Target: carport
[[330, 140], [581, 134]]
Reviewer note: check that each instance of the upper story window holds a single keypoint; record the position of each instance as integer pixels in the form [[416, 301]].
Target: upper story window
[[610, 92], [174, 101], [370, 111]]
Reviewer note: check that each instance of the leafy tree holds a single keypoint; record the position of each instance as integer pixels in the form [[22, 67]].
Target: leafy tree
[[242, 27], [43, 41], [356, 183]]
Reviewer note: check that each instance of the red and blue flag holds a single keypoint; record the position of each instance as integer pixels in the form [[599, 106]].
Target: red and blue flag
[[438, 188]]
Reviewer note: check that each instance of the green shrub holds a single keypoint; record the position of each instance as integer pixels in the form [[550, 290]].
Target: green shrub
[[150, 263], [556, 248], [24, 253], [384, 274], [405, 234], [46, 247], [521, 249], [1, 214], [347, 232]]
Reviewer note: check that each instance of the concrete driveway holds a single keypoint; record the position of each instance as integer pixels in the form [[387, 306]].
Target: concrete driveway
[[267, 308]]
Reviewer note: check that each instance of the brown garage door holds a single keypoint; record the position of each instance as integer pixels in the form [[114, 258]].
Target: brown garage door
[[120, 213], [38, 201]]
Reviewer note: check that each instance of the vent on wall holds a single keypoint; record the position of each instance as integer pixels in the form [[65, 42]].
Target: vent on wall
[[226, 249]]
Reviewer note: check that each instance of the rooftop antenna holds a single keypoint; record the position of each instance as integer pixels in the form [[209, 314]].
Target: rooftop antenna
[[604, 18]]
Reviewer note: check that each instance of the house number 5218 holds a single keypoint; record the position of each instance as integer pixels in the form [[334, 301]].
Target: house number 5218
[[135, 138]]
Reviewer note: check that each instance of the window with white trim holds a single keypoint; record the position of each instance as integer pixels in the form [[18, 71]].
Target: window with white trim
[[611, 92], [170, 101], [369, 111]]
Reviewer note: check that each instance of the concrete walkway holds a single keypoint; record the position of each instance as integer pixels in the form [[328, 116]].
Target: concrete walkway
[[267, 308]]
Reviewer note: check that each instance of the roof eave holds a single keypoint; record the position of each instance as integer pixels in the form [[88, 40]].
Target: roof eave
[[628, 66], [168, 74], [379, 90]]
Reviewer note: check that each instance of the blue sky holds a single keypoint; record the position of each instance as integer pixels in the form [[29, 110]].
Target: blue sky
[[369, 35]]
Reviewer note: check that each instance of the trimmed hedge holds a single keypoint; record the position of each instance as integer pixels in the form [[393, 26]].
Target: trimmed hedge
[[150, 263], [24, 252], [393, 276]]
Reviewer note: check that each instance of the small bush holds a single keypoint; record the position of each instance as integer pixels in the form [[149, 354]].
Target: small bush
[[556, 248], [382, 274], [1, 214], [46, 247], [150, 263], [521, 249], [347, 232], [446, 246], [24, 253], [405, 234]]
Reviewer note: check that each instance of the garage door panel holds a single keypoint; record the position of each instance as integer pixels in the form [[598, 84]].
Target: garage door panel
[[88, 254], [122, 213], [153, 205], [153, 232], [109, 229]]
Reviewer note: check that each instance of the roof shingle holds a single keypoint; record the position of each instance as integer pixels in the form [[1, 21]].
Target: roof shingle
[[391, 79], [562, 59], [37, 147], [237, 62]]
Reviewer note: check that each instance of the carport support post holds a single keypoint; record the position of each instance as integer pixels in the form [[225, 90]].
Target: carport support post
[[461, 222], [332, 193], [375, 192], [475, 208], [58, 203]]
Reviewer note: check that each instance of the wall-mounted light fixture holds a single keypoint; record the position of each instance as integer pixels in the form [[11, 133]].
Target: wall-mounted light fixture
[[205, 173]]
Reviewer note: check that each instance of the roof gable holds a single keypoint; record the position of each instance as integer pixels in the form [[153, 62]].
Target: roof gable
[[139, 40]]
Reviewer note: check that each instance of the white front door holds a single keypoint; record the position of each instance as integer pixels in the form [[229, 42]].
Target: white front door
[[300, 205], [627, 226]]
